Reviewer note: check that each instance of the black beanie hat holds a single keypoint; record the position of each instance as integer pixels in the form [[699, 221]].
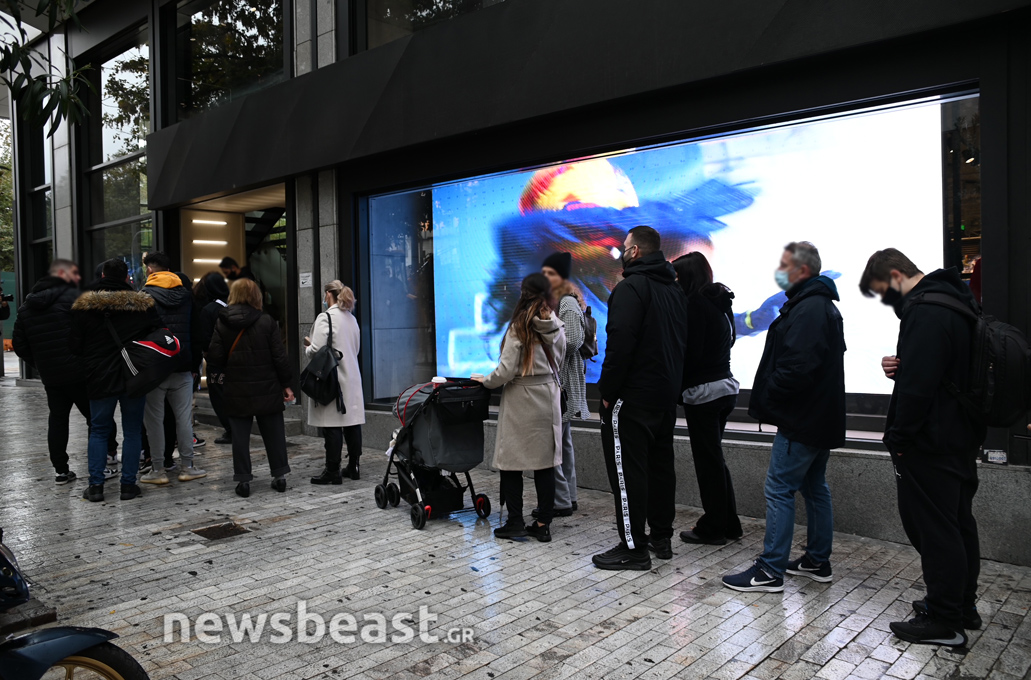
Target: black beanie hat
[[560, 262]]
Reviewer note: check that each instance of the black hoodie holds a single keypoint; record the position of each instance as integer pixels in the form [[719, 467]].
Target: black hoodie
[[175, 307], [711, 319], [800, 383], [258, 369], [647, 336], [933, 349], [41, 332]]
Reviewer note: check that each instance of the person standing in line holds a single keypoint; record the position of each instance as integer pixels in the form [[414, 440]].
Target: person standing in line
[[709, 397], [339, 427], [112, 306], [529, 433], [232, 270], [217, 294], [175, 307], [640, 385], [41, 340], [248, 347], [571, 307], [800, 388], [933, 441]]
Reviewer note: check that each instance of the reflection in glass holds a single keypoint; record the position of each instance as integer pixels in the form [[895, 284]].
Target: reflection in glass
[[226, 49], [42, 214], [129, 242], [125, 102], [961, 178], [392, 19], [120, 192]]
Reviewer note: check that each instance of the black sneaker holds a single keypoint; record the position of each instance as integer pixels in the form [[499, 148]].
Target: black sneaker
[[94, 493], [662, 548], [971, 619], [693, 537], [923, 630], [130, 491], [805, 566], [328, 477], [146, 466], [64, 477], [622, 558], [514, 528], [198, 442], [542, 532], [754, 580], [224, 438], [557, 512]]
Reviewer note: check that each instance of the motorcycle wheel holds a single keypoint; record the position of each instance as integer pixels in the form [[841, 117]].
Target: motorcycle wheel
[[100, 662]]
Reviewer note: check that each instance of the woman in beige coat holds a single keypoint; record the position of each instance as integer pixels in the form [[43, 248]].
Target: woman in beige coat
[[530, 420], [338, 427]]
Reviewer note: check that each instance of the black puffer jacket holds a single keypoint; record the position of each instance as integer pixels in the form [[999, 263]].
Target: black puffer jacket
[[258, 370], [132, 314], [933, 349], [41, 332], [647, 335], [206, 328], [711, 319], [800, 383], [175, 307]]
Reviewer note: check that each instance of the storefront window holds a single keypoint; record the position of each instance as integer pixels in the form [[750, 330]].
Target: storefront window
[[961, 174], [392, 19], [225, 49]]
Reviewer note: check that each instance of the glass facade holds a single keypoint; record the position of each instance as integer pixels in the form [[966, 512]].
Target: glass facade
[[130, 242], [224, 50], [388, 20], [961, 177]]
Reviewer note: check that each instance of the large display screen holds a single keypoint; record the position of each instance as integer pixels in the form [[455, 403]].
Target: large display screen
[[850, 184]]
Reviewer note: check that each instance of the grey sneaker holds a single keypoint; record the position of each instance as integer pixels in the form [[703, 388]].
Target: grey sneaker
[[154, 477], [190, 473]]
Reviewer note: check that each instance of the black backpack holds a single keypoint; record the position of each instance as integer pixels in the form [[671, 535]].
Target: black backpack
[[997, 390], [319, 379], [146, 361], [589, 349]]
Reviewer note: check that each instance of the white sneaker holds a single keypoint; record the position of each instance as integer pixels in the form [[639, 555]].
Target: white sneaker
[[111, 472], [190, 473], [154, 477]]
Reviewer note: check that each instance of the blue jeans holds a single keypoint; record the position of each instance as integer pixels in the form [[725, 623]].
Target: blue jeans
[[102, 417], [796, 467]]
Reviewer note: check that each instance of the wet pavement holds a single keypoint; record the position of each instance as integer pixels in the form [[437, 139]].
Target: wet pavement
[[532, 610]]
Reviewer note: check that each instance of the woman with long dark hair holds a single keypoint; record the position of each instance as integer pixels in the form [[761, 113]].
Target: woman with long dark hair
[[212, 294], [529, 433], [709, 397]]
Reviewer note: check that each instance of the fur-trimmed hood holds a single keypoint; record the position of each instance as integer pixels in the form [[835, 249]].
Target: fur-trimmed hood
[[113, 301]]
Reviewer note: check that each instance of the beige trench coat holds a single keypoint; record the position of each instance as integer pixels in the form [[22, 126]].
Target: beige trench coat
[[530, 420]]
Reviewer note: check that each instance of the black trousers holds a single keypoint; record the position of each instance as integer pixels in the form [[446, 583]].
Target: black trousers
[[638, 448], [60, 400], [512, 494], [273, 435], [935, 495], [335, 437], [705, 425], [216, 393]]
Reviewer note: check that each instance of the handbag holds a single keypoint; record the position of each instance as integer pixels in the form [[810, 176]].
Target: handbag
[[146, 362], [319, 379], [563, 397], [220, 377]]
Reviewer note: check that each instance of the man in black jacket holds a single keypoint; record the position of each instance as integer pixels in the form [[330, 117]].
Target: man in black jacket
[[112, 307], [799, 387], [175, 306], [41, 340], [933, 441], [640, 384]]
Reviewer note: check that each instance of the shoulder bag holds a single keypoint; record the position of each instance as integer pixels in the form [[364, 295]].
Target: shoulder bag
[[319, 379]]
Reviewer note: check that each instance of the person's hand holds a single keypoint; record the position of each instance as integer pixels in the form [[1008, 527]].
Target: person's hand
[[288, 394], [307, 341], [604, 403], [890, 365]]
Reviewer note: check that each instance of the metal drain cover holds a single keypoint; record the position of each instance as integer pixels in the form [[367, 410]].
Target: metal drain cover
[[218, 531]]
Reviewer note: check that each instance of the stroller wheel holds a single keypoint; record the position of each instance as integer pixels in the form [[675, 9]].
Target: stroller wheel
[[381, 497], [419, 516], [393, 495], [482, 504]]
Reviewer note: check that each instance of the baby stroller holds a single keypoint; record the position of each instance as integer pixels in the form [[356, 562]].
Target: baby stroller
[[441, 435]]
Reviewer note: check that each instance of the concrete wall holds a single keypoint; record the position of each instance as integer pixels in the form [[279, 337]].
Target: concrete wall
[[862, 484]]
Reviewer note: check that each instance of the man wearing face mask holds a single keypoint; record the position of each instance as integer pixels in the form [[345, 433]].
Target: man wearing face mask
[[933, 442], [639, 385], [800, 388]]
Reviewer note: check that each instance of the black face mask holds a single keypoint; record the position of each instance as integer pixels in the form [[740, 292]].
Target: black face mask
[[232, 276], [894, 299]]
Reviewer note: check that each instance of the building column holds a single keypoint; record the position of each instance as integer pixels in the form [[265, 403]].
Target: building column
[[61, 167]]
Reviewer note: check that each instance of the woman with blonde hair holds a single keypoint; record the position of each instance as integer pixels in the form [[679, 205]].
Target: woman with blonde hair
[[256, 379], [339, 426], [529, 433]]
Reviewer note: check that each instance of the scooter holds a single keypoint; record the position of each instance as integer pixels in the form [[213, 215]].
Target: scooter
[[65, 652]]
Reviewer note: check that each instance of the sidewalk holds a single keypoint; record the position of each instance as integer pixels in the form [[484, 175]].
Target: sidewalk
[[535, 610]]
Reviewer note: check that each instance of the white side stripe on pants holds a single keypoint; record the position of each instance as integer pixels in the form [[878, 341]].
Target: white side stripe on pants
[[618, 448]]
